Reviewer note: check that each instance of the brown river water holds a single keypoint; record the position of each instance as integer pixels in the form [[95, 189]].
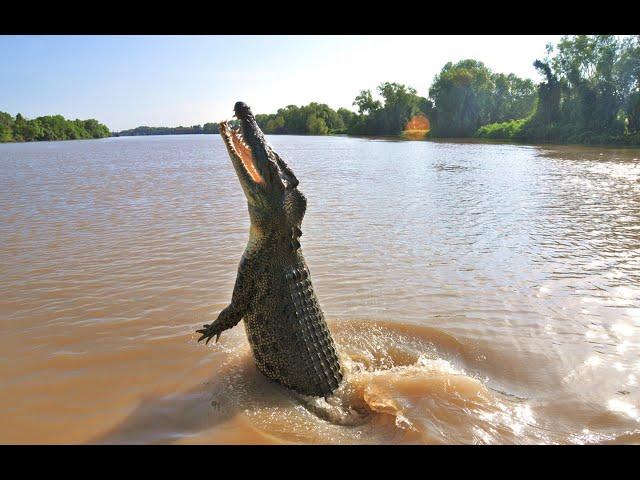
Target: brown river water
[[478, 293]]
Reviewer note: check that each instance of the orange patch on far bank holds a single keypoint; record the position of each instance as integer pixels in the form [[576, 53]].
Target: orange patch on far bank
[[418, 122]]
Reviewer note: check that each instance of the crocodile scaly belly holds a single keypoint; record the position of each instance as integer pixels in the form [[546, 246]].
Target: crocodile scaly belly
[[290, 339]]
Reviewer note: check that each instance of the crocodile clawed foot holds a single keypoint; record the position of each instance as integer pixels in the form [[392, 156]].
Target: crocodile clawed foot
[[208, 332]]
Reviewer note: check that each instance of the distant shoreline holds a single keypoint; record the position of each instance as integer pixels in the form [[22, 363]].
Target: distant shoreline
[[142, 131], [401, 137], [19, 129]]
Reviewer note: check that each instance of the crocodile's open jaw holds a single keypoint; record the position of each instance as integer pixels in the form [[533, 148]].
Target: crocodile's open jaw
[[239, 149], [262, 173]]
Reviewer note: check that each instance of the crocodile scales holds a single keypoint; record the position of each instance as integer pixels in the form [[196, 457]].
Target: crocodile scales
[[273, 293]]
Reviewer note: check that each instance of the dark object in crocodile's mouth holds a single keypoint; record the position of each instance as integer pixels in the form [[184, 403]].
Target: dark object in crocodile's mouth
[[234, 138]]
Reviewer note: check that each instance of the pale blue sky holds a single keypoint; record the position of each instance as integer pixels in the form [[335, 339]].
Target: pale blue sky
[[127, 81]]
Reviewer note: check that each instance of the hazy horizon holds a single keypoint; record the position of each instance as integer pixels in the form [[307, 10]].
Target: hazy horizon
[[128, 81]]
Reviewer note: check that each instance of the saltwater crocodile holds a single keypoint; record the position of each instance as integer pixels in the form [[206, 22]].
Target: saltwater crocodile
[[285, 325]]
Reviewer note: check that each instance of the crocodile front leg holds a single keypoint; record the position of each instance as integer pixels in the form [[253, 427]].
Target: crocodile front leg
[[228, 318], [239, 307]]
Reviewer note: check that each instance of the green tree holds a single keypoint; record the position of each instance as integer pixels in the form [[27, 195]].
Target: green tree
[[6, 127], [315, 119], [349, 118], [276, 125], [592, 99], [365, 103], [590, 93], [401, 103], [549, 95], [95, 129], [27, 130], [390, 117], [513, 97], [316, 125], [210, 128], [54, 127], [461, 94], [629, 77]]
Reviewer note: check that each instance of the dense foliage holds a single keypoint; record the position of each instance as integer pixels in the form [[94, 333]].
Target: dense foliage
[[312, 119], [390, 117], [590, 93], [467, 95], [50, 127], [194, 129], [400, 104]]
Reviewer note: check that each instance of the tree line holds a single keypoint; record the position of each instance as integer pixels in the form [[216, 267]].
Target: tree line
[[207, 128], [463, 97], [50, 127], [590, 93]]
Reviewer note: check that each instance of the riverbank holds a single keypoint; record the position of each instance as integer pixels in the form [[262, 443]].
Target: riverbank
[[207, 128], [47, 128], [527, 130], [412, 135]]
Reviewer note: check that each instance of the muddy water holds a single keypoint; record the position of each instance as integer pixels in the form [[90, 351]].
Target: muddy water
[[477, 293]]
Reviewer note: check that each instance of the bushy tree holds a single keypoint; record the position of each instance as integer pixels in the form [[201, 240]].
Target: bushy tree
[[390, 117], [365, 103], [629, 77], [6, 127], [275, 125], [461, 94], [401, 103], [467, 95], [316, 125], [210, 128], [593, 97], [590, 93], [54, 127], [513, 97], [207, 128], [312, 119], [348, 118], [549, 94]]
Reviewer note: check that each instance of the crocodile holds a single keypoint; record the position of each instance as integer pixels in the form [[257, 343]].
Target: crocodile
[[273, 293]]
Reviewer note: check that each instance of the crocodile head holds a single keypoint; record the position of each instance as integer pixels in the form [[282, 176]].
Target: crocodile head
[[276, 206]]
